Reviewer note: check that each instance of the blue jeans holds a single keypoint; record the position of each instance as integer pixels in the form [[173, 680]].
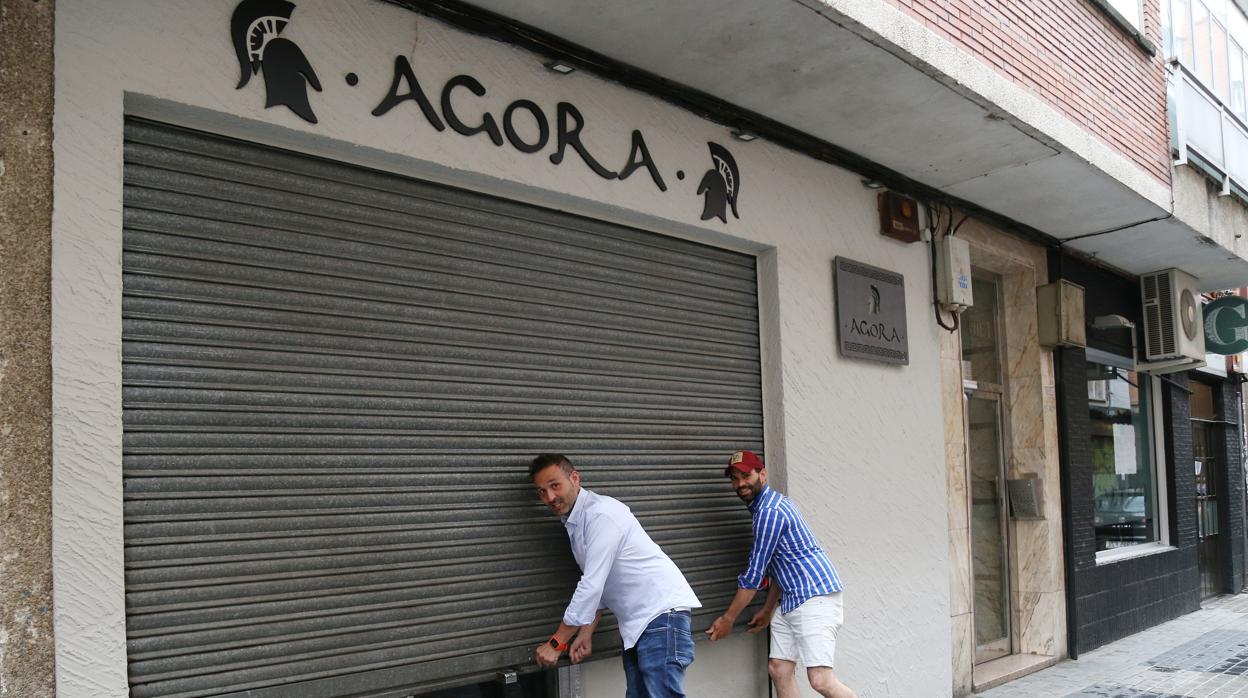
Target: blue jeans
[[655, 666]]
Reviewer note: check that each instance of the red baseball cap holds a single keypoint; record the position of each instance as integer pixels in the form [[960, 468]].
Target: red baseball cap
[[744, 461]]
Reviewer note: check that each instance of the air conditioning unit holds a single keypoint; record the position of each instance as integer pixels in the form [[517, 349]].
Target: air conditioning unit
[[1174, 332]]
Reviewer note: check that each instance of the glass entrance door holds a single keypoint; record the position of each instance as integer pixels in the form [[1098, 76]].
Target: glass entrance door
[[989, 528], [984, 380]]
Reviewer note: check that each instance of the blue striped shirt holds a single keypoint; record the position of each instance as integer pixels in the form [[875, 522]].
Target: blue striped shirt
[[784, 545]]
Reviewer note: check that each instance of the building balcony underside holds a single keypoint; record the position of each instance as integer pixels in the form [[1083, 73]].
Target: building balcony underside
[[868, 80]]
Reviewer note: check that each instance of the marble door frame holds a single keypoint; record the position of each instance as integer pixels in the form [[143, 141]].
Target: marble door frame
[[1031, 448]]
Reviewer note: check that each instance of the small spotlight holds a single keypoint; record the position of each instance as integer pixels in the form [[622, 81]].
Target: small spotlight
[[558, 66], [1111, 322], [872, 184], [743, 135]]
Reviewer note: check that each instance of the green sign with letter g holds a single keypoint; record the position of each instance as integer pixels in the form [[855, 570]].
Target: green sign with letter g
[[1226, 325]]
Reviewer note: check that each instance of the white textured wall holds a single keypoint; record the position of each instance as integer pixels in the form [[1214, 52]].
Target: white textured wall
[[858, 444]]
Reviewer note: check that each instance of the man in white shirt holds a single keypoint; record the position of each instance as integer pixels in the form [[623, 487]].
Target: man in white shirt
[[623, 570]]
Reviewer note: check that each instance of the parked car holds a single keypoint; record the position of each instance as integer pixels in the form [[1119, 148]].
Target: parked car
[[1121, 518]]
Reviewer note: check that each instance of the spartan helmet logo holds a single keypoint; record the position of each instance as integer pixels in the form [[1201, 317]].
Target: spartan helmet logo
[[873, 300], [255, 27], [721, 185]]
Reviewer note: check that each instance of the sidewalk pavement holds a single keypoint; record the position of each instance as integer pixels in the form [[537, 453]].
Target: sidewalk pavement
[[1203, 654]]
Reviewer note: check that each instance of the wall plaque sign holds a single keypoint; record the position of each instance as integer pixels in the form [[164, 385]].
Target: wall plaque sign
[[871, 312]]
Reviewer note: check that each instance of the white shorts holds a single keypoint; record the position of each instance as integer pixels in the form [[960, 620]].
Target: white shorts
[[808, 632]]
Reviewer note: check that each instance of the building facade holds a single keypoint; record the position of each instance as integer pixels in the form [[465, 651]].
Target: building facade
[[322, 277], [1133, 529]]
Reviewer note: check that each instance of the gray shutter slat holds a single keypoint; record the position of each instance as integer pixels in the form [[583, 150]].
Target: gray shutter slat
[[235, 223], [256, 223], [333, 379], [163, 350], [292, 307], [401, 269], [193, 147], [231, 184]]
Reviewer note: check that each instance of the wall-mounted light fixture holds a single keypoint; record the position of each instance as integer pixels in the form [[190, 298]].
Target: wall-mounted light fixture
[[872, 184], [743, 135], [1112, 322], [558, 66], [1117, 322]]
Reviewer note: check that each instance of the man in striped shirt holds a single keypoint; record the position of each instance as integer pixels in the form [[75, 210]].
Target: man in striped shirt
[[803, 581]]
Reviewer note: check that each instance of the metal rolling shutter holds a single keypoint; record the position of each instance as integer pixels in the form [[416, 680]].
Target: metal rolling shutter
[[333, 381]]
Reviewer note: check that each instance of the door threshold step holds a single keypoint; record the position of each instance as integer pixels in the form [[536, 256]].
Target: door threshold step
[[1006, 669]]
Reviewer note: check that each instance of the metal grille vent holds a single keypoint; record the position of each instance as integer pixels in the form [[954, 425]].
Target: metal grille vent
[[1165, 308], [1157, 293], [1152, 329], [333, 379], [1150, 288]]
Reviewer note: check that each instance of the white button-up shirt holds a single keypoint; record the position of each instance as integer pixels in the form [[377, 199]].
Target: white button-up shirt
[[621, 568]]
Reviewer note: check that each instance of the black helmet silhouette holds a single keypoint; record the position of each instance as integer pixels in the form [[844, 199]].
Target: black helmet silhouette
[[255, 27], [721, 185]]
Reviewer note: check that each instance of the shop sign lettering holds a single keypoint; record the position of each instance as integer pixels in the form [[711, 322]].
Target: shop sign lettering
[[567, 123], [256, 28], [877, 330], [1226, 325]]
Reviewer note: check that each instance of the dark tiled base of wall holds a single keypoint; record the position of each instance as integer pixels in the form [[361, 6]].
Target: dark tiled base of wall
[[1114, 600]]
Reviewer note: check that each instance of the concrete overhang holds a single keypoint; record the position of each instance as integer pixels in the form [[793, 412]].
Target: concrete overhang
[[867, 78]]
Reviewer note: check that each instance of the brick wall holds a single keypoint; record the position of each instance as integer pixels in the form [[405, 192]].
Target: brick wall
[[1073, 56]]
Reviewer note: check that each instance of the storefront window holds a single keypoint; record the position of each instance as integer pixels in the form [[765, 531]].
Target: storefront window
[[1124, 484]]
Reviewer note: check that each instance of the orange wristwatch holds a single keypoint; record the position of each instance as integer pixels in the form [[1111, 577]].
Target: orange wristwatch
[[560, 646]]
